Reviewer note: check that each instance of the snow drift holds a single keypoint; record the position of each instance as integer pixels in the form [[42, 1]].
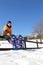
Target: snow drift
[[21, 57]]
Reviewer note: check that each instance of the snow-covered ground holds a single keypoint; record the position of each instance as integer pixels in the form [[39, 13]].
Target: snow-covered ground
[[21, 57], [33, 45], [5, 44]]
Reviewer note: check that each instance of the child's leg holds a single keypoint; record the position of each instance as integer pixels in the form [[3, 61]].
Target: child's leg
[[7, 38]]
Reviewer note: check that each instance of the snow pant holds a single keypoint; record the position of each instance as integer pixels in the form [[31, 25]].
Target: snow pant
[[5, 35]]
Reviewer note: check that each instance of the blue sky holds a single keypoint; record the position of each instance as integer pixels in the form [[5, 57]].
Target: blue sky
[[24, 14]]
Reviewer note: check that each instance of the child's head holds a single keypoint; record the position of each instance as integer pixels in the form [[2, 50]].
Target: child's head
[[9, 23]]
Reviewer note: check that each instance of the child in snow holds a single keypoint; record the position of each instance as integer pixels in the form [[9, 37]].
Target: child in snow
[[7, 30]]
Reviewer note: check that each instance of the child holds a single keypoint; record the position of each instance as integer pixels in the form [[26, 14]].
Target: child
[[7, 30]]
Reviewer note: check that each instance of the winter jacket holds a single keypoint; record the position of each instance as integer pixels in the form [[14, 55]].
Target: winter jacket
[[8, 29]]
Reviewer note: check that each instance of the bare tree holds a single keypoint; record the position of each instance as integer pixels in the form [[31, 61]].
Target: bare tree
[[38, 28]]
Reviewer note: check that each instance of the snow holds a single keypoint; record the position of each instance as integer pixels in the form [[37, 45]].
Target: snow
[[35, 40], [33, 45], [5, 44], [21, 57]]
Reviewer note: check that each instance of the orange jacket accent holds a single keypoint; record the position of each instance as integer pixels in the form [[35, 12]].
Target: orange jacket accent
[[8, 29]]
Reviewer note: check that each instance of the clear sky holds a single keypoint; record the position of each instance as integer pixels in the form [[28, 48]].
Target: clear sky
[[24, 14]]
